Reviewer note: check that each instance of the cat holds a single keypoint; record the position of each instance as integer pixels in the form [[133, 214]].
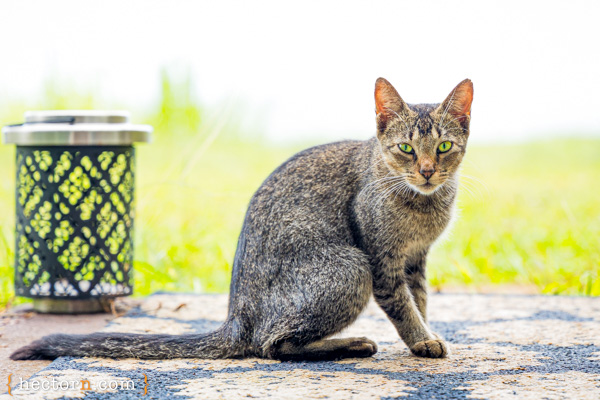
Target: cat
[[327, 229]]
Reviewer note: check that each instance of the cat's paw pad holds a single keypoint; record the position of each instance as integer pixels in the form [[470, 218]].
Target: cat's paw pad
[[362, 347], [434, 348]]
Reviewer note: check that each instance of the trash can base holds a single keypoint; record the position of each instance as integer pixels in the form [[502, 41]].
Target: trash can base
[[70, 306]]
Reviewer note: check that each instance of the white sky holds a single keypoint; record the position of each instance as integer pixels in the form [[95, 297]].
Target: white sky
[[307, 69]]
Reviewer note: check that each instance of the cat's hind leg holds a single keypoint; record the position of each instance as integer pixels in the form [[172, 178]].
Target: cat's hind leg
[[325, 350], [315, 295]]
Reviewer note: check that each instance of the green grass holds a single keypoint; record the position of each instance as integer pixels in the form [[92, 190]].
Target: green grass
[[188, 217], [530, 216], [529, 213]]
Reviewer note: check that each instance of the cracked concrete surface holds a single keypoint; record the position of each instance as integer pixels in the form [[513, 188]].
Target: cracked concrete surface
[[503, 346]]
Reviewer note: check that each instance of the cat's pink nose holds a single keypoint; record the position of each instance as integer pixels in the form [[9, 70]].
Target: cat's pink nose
[[427, 172]]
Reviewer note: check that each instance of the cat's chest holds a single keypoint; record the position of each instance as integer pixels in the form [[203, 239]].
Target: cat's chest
[[416, 227], [395, 229]]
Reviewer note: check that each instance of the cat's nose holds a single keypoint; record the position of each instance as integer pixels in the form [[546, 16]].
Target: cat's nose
[[427, 172]]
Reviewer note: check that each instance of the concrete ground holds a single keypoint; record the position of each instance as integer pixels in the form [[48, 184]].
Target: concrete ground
[[502, 347], [20, 325]]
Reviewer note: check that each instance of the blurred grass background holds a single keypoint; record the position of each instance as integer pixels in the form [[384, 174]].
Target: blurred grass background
[[528, 213]]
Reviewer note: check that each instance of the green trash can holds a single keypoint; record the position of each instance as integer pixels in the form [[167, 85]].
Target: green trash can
[[75, 175]]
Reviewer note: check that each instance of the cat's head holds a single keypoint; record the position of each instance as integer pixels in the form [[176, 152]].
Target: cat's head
[[423, 143]]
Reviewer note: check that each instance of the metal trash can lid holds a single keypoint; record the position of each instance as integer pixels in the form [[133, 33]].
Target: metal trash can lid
[[76, 128]]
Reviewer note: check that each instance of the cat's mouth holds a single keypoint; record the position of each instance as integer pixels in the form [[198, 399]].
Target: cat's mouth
[[427, 187]]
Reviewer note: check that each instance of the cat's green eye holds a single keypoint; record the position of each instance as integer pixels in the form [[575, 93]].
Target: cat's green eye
[[407, 148], [444, 147]]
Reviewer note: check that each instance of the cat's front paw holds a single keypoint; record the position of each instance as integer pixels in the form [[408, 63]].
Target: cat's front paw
[[434, 348]]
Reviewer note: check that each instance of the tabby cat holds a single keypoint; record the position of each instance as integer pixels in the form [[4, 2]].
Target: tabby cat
[[328, 228]]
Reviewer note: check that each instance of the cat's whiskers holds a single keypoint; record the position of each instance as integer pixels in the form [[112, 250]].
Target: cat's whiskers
[[469, 191], [399, 188], [404, 189], [474, 179], [373, 165], [372, 186], [382, 195], [450, 185], [475, 185], [462, 186], [377, 181]]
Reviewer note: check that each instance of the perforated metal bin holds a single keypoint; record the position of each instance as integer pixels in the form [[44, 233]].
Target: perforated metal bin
[[74, 207]]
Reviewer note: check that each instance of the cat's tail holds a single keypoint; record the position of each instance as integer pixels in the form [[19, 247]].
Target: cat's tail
[[217, 344]]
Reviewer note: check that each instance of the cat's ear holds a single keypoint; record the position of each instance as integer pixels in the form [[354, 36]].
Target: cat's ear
[[388, 103], [458, 103]]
